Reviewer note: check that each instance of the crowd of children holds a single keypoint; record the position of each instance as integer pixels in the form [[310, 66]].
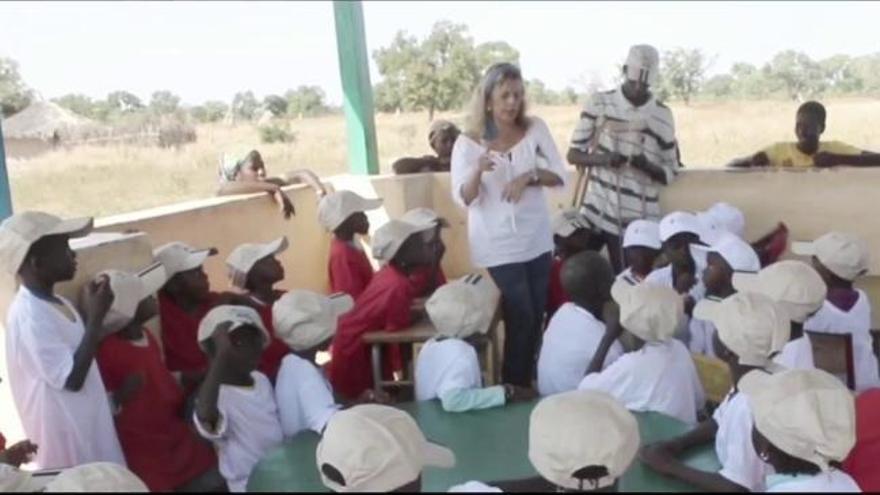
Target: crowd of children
[[235, 373]]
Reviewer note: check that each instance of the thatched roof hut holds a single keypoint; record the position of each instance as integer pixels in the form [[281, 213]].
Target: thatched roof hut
[[45, 120]]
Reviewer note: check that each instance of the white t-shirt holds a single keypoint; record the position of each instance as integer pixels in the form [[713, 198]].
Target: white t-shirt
[[304, 396], [701, 333], [474, 487], [856, 321], [629, 276], [733, 443], [797, 354], [570, 341], [500, 232], [69, 427], [446, 365], [658, 377], [833, 481], [247, 430]]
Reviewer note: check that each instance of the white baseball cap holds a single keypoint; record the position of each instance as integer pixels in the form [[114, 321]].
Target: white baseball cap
[[807, 413], [14, 480], [336, 207], [794, 285], [566, 222], [845, 255], [129, 290], [303, 319], [179, 257], [389, 237], [240, 316], [679, 222], [102, 477], [642, 64], [710, 228], [736, 252], [650, 312], [424, 216], [245, 256], [642, 233], [578, 429], [729, 217], [20, 231], [376, 449], [459, 309], [750, 324]]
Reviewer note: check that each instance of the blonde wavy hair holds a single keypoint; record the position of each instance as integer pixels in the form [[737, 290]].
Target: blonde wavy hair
[[479, 124]]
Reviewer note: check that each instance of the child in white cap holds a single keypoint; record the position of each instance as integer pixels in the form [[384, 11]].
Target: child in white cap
[[235, 407], [805, 426], [342, 213], [575, 331], [750, 329], [728, 256], [384, 305], [426, 279], [50, 348], [447, 367], [374, 448], [641, 246], [254, 269], [840, 259], [582, 440], [306, 322], [98, 477], [572, 234], [159, 445], [656, 372], [729, 217]]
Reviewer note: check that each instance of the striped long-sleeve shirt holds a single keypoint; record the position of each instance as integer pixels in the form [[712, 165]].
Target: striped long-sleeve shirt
[[617, 196]]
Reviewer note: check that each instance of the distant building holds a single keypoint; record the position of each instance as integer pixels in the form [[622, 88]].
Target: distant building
[[41, 127]]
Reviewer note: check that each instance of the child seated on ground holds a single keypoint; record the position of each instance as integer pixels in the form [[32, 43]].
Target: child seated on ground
[[235, 408], [750, 328], [384, 305], [426, 279], [447, 367], [158, 444], [575, 331], [373, 448], [808, 150], [641, 246], [255, 269], [719, 263], [656, 372], [243, 173], [804, 429], [441, 137], [572, 234], [342, 213], [862, 461], [582, 441], [840, 259]]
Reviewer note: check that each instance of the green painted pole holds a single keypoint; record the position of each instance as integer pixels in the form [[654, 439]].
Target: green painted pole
[[5, 193], [354, 68]]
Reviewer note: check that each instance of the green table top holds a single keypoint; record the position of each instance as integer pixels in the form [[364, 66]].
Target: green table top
[[489, 445]]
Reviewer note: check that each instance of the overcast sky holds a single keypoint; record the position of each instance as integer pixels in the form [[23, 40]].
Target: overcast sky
[[210, 50]]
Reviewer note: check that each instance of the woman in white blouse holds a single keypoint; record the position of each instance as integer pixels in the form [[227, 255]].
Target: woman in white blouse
[[500, 166]]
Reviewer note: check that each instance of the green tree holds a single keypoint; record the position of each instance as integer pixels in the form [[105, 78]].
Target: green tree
[[124, 102], [164, 102], [245, 104], [210, 111], [14, 93], [682, 71], [719, 86], [866, 70], [275, 104], [305, 101], [493, 52], [799, 76]]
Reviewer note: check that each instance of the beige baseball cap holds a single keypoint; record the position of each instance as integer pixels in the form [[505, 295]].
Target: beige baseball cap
[[846, 255], [304, 319], [424, 216], [650, 312], [245, 256], [389, 237], [102, 477], [794, 285], [566, 222], [679, 222], [20, 231], [179, 257], [578, 429], [808, 414], [643, 64], [643, 233], [239, 316], [129, 289], [460, 308], [376, 449], [750, 324], [336, 207], [736, 252]]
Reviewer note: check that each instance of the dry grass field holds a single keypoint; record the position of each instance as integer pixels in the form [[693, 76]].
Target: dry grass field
[[98, 180]]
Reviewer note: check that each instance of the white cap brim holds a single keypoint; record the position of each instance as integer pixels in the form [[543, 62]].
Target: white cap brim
[[341, 302], [707, 309], [746, 282], [438, 456], [74, 227], [803, 248], [196, 259], [153, 278]]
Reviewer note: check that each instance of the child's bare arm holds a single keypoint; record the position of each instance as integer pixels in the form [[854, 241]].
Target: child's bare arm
[[864, 159], [236, 187], [98, 299], [206, 400], [306, 176]]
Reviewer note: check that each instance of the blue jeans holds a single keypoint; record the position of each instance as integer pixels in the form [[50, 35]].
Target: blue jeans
[[523, 289]]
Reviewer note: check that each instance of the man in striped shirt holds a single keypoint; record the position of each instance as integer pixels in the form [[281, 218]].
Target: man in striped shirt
[[626, 138]]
